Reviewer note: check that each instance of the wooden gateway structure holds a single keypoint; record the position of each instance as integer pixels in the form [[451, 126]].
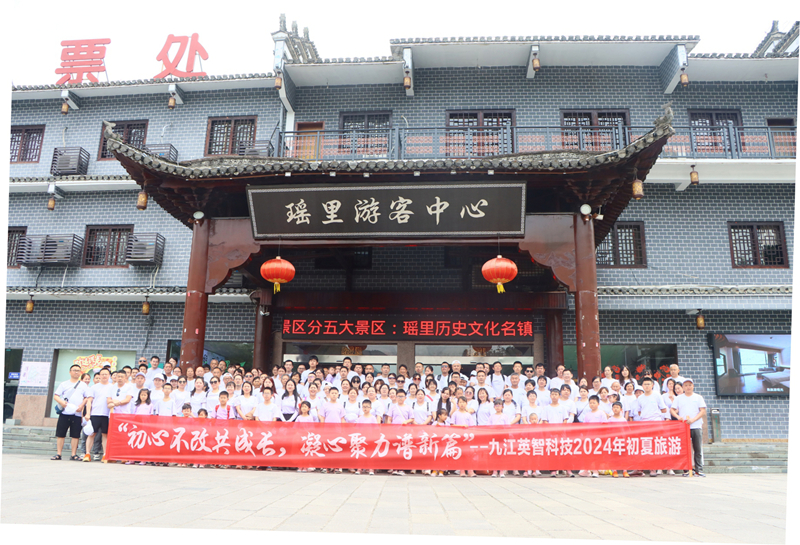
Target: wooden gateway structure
[[533, 207]]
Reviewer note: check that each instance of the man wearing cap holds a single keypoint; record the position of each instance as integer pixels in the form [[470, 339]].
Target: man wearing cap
[[137, 386], [153, 371], [691, 408]]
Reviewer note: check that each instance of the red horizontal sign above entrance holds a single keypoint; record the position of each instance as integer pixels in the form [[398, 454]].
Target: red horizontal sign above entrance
[[408, 327]]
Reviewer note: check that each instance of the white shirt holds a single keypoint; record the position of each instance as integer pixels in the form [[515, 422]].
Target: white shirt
[[421, 411], [679, 379], [101, 393], [198, 401], [554, 414], [511, 410], [156, 395], [315, 403], [120, 393], [527, 411], [247, 404], [689, 406], [489, 390], [165, 407], [351, 411], [575, 391], [607, 382], [520, 395], [180, 398], [649, 407], [148, 377], [73, 393], [267, 413], [570, 407], [498, 383], [556, 382], [484, 412]]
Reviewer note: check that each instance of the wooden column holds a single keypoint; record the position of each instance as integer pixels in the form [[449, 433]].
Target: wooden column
[[555, 339], [196, 307], [263, 333], [587, 323]]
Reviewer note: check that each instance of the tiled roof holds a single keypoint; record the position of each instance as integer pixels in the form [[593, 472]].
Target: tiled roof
[[495, 39], [138, 291], [790, 35], [349, 60], [51, 179], [89, 85], [740, 56], [211, 167], [694, 290]]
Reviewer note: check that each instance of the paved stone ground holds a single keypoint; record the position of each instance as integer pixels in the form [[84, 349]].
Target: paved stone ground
[[720, 508]]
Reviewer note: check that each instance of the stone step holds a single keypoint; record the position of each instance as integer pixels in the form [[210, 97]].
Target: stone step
[[26, 437], [744, 462], [775, 455], [32, 445], [747, 446], [744, 469]]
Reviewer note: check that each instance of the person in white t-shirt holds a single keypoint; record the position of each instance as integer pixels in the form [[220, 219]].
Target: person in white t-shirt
[[691, 408], [71, 395], [558, 380], [674, 374], [565, 400], [97, 407], [180, 393], [497, 379], [608, 378], [119, 403], [574, 388], [517, 389], [649, 406], [152, 371], [166, 406], [157, 393], [628, 400], [530, 411], [481, 382], [267, 411]]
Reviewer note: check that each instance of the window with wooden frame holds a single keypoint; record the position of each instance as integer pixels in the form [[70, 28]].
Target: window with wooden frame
[[26, 143], [15, 235], [710, 133], [131, 132], [601, 131], [479, 133], [364, 133], [623, 246], [758, 245], [106, 245], [230, 135]]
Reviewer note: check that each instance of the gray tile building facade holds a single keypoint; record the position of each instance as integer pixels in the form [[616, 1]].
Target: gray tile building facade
[[686, 231]]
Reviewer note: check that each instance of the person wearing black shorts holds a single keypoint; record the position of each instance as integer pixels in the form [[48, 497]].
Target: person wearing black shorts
[[70, 397], [99, 411]]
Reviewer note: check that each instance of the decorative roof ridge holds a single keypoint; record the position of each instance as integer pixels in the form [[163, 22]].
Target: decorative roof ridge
[[115, 290], [584, 38], [740, 56], [788, 35], [50, 179], [91, 85], [249, 166], [345, 60], [690, 289]]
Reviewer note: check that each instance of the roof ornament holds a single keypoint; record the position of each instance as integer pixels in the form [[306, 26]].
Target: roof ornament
[[665, 119], [283, 22], [108, 131]]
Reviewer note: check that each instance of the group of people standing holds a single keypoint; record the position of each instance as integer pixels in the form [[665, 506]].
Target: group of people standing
[[356, 393]]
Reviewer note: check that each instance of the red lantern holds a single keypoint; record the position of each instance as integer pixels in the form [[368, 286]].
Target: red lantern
[[499, 271], [278, 271]]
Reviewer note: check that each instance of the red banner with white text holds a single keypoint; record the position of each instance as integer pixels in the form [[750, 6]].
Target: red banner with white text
[[632, 445]]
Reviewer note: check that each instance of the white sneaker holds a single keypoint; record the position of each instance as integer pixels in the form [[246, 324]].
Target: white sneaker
[[371, 472]]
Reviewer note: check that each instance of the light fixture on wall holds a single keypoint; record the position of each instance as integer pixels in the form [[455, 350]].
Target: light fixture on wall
[[64, 108], [146, 306], [699, 319], [684, 77], [407, 82], [278, 82], [694, 176], [29, 306], [586, 212], [171, 103], [637, 187], [141, 200], [55, 193], [535, 64]]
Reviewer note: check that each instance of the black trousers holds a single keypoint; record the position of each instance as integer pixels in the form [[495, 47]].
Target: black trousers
[[697, 447]]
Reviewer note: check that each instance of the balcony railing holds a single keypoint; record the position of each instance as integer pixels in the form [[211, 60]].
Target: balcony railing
[[263, 148], [36, 250], [398, 143], [167, 151], [69, 162], [145, 249]]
